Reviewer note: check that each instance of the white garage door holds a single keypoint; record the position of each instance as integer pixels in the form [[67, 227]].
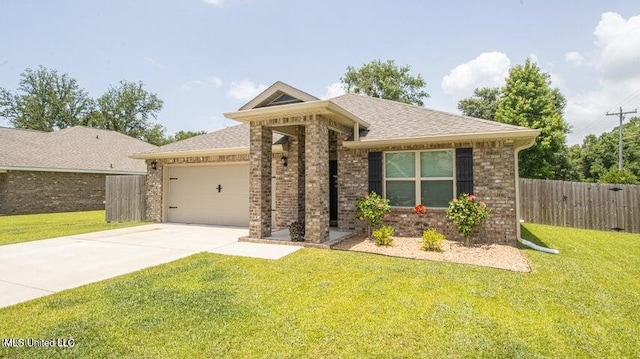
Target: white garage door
[[217, 194]]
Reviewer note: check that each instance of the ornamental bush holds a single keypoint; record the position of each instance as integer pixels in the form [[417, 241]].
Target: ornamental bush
[[432, 240], [467, 212], [372, 209], [382, 236]]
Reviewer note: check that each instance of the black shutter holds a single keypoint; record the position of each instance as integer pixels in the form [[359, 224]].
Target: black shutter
[[464, 170], [375, 172]]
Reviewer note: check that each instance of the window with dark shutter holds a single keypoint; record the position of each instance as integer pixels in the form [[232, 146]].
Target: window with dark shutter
[[375, 172], [464, 170]]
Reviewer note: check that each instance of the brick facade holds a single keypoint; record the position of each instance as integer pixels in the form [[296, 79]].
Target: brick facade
[[29, 192], [302, 186], [494, 182], [260, 181], [317, 181]]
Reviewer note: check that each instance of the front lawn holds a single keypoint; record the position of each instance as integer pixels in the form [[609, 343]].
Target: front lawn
[[31, 227], [323, 304]]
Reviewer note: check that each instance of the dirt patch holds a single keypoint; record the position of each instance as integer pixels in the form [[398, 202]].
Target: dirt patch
[[487, 255]]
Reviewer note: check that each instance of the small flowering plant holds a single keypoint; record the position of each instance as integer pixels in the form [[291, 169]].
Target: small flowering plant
[[372, 209], [467, 212], [420, 209]]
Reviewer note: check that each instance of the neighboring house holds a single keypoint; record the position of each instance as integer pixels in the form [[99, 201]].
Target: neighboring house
[[298, 157], [64, 170]]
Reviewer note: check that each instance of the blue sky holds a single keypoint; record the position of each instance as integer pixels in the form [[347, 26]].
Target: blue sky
[[204, 58]]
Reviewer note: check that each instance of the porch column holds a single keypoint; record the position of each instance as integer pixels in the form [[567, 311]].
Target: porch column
[[261, 139], [316, 180]]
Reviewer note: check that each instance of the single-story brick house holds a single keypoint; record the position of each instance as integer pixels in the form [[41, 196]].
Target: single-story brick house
[[64, 170], [298, 157]]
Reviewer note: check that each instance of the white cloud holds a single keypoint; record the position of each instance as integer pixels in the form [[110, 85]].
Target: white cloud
[[245, 89], [211, 80], [617, 40], [215, 81], [614, 64], [153, 62], [216, 3], [334, 90], [574, 57], [487, 70]]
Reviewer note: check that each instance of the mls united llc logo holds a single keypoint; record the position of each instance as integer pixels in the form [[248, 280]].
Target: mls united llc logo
[[43, 343]]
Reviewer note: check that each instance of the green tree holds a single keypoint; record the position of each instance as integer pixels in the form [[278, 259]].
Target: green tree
[[528, 100], [127, 109], [618, 176], [598, 154], [45, 100], [386, 80], [483, 104], [183, 135]]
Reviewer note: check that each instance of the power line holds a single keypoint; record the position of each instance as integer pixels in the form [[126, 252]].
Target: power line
[[620, 114]]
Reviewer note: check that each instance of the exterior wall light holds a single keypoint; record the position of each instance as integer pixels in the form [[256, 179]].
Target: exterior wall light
[[154, 165], [284, 161]]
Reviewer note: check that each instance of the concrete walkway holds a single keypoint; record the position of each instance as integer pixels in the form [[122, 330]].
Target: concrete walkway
[[35, 269]]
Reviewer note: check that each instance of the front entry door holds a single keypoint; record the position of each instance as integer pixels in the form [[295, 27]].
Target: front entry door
[[333, 193]]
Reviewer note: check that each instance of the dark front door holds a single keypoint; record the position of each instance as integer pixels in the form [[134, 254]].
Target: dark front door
[[333, 193]]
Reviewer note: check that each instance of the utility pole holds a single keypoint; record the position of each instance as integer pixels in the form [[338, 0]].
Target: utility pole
[[620, 114]]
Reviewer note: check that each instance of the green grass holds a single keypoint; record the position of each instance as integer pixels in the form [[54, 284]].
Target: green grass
[[324, 304], [24, 228]]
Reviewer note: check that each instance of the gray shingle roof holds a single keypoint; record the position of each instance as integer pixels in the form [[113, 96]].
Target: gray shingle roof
[[231, 137], [388, 121], [76, 148], [391, 120]]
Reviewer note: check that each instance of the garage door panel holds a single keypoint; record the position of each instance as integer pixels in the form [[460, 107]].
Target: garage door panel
[[193, 195]]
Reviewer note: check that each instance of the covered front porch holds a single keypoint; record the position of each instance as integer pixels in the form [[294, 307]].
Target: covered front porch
[[306, 184]]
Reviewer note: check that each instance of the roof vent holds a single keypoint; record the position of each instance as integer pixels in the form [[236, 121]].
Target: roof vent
[[97, 137]]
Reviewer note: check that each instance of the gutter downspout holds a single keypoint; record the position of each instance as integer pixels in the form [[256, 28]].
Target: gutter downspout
[[518, 230]]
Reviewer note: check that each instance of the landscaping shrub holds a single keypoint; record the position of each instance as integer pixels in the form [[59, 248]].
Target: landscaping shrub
[[372, 209], [296, 231], [467, 212], [432, 240], [382, 236]]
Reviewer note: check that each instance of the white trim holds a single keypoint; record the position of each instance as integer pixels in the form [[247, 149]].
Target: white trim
[[209, 152], [418, 174], [324, 107], [271, 90], [4, 169], [478, 136]]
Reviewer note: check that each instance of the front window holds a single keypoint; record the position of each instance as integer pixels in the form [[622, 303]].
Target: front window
[[419, 177]]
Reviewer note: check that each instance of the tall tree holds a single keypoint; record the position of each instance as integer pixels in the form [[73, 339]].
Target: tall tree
[[599, 154], [45, 100], [528, 100], [386, 80], [127, 109], [483, 103]]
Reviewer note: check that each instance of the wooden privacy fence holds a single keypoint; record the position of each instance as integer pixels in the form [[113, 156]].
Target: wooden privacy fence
[[581, 205], [124, 198]]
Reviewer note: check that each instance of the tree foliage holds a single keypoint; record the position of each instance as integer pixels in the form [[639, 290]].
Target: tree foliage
[[126, 108], [528, 100], [618, 176], [386, 80], [45, 100], [598, 155], [483, 103]]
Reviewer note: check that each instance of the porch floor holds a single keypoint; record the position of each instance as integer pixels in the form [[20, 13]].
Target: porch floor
[[282, 236]]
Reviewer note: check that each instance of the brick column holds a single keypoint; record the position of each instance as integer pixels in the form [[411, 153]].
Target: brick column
[[316, 181], [260, 181]]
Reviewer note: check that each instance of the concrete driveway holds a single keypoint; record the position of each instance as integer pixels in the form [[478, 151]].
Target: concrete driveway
[[35, 269]]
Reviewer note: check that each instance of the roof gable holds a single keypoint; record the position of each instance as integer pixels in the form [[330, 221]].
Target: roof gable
[[278, 94]]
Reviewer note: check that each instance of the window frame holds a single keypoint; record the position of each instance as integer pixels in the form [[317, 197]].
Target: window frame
[[418, 173]]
